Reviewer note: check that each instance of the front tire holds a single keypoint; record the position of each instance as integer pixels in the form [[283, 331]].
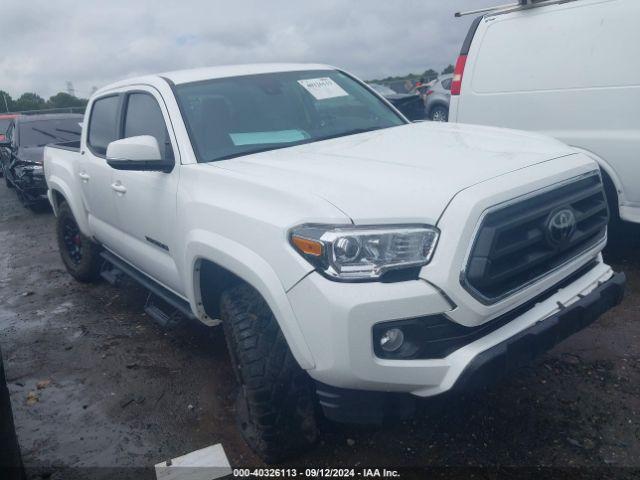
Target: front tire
[[275, 402], [80, 255]]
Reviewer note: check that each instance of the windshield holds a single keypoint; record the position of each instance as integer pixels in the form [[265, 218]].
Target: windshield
[[39, 133], [382, 89], [229, 117]]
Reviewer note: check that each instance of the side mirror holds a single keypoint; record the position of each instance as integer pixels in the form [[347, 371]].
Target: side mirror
[[137, 153]]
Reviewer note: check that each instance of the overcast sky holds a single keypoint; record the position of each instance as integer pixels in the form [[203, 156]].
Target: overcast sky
[[44, 44]]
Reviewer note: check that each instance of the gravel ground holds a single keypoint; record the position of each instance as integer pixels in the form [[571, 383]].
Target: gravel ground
[[95, 383]]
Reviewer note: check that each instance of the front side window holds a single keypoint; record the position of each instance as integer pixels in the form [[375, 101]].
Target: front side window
[[144, 117], [103, 124], [230, 117], [39, 133]]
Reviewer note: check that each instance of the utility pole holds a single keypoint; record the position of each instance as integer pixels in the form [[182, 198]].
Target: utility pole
[[70, 90]]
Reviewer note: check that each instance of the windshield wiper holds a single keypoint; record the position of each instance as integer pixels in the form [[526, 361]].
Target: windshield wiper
[[67, 131], [44, 132], [257, 150], [347, 133], [293, 144]]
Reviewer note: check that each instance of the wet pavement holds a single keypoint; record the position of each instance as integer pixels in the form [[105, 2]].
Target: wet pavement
[[95, 384]]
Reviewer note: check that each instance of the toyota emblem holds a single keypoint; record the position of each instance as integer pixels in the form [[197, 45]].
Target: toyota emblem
[[560, 227]]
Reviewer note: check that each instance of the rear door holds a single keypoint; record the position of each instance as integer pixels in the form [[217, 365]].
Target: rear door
[[93, 172], [145, 201], [569, 71]]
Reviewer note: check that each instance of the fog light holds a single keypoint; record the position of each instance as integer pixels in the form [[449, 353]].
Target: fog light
[[392, 340]]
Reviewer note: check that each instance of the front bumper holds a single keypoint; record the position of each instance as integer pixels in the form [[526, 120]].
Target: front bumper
[[488, 366], [337, 321], [32, 184], [519, 350]]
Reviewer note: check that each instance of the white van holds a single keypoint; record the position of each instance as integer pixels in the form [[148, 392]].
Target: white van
[[569, 69]]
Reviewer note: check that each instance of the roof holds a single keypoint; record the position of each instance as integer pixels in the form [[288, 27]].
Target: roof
[[49, 116], [222, 71]]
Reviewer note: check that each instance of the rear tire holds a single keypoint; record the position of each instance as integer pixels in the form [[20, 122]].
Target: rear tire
[[439, 113], [275, 402], [80, 255]]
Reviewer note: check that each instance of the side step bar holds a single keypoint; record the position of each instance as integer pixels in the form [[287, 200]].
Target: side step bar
[[173, 303]]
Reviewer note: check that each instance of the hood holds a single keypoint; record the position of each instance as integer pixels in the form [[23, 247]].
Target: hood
[[31, 154], [407, 173]]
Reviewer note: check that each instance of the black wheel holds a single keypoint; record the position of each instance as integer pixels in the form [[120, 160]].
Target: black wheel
[[439, 113], [80, 255], [275, 400]]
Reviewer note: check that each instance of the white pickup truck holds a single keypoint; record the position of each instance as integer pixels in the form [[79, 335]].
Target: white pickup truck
[[353, 258]]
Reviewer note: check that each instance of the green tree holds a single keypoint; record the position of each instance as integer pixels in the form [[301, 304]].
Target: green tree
[[429, 75], [29, 101], [64, 100], [447, 70], [6, 102]]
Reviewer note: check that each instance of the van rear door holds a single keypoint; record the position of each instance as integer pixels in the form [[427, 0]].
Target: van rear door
[[567, 70]]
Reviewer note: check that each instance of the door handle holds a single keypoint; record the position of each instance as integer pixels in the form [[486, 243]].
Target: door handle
[[84, 176], [119, 188]]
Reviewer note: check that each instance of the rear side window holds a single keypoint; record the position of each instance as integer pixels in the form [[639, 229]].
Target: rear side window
[[144, 117], [446, 84], [103, 124]]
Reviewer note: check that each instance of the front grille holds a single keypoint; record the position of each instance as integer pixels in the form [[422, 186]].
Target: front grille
[[521, 242]]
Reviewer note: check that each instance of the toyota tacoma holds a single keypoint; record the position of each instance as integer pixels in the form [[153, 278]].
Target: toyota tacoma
[[355, 260]]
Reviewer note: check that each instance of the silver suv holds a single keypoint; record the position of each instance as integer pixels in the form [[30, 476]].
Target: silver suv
[[437, 99]]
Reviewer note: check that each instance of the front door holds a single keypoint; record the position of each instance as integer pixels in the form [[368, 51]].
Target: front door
[[145, 201]]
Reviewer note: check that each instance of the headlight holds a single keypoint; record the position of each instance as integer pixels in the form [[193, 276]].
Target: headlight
[[364, 253]]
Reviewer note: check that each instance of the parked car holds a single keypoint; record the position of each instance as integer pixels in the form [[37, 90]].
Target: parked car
[[437, 98], [569, 75], [21, 152], [410, 104], [352, 257], [5, 121]]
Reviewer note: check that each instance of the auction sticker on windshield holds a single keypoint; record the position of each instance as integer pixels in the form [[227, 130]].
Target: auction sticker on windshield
[[322, 88]]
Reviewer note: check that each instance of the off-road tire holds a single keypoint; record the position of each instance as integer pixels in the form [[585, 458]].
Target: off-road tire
[[275, 407], [87, 269]]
